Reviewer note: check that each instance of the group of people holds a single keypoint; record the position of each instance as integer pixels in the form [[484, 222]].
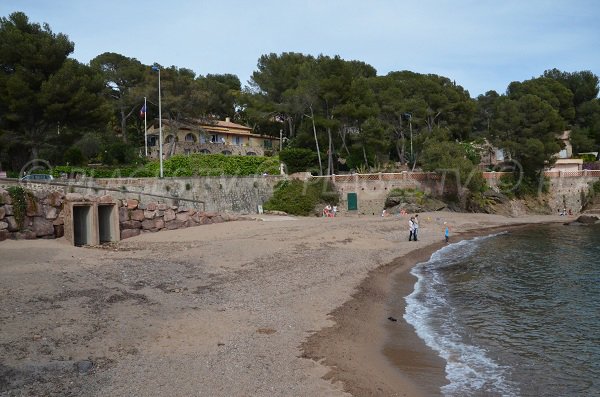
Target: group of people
[[564, 212], [413, 228], [329, 211]]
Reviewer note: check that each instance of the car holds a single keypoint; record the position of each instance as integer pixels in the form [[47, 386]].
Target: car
[[37, 178]]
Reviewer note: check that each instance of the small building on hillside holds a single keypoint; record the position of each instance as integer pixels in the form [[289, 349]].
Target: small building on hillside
[[564, 159], [490, 155], [209, 137]]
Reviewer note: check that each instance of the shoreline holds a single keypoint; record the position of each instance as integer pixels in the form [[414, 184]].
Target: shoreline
[[387, 358]]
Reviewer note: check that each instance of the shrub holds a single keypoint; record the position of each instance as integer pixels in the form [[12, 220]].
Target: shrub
[[182, 165], [298, 159], [20, 197], [300, 198], [513, 186]]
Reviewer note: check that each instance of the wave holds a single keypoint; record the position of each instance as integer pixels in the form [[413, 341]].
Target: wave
[[469, 369]]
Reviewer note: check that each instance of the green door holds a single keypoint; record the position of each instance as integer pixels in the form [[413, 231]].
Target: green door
[[352, 202]]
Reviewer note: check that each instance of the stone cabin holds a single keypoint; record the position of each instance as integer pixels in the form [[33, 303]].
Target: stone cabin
[[209, 137]]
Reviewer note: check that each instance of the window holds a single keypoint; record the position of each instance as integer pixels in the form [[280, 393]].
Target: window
[[268, 144], [237, 140], [214, 138], [169, 139], [190, 138]]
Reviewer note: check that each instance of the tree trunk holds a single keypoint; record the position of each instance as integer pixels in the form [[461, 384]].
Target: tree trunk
[[365, 156], [312, 118], [329, 153], [123, 125]]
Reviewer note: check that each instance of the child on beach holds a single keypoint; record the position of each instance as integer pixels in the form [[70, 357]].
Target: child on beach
[[446, 232]]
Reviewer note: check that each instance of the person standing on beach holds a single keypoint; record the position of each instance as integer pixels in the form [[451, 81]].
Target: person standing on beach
[[416, 226], [411, 228]]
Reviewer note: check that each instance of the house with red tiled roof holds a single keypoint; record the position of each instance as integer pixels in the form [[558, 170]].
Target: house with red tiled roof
[[209, 137]]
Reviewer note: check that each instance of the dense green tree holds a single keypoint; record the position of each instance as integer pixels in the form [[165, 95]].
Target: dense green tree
[[584, 85], [223, 91], [527, 129], [486, 104], [550, 91], [122, 76], [41, 91], [276, 76], [452, 160], [298, 159]]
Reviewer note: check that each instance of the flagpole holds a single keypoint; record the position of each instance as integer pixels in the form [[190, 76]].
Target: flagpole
[[156, 68], [145, 128]]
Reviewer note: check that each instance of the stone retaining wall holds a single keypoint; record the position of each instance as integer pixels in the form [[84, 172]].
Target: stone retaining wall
[[136, 217], [44, 217], [47, 212]]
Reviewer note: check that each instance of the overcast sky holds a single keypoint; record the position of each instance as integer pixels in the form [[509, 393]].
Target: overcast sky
[[482, 45]]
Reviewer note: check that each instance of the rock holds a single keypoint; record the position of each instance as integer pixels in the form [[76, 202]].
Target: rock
[[142, 206], [74, 197], [5, 197], [169, 215], [150, 214], [51, 213], [123, 214], [4, 234], [2, 212], [42, 227], [137, 215], [106, 199], [25, 235], [205, 220], [132, 204], [59, 221], [131, 224], [3, 225], [34, 208], [218, 219], [152, 206], [90, 197], [8, 210], [162, 207], [174, 224], [59, 231], [183, 216], [150, 224], [54, 199], [84, 366], [127, 233], [12, 223], [587, 219]]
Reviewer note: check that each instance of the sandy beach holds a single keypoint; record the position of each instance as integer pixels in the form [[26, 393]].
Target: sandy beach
[[274, 306]]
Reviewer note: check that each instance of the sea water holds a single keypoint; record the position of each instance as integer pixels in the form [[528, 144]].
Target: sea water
[[514, 314]]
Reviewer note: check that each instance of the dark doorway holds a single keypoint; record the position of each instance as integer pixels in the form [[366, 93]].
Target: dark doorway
[[106, 227], [82, 224]]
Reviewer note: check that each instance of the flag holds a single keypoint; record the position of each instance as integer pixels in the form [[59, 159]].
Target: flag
[[143, 111]]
